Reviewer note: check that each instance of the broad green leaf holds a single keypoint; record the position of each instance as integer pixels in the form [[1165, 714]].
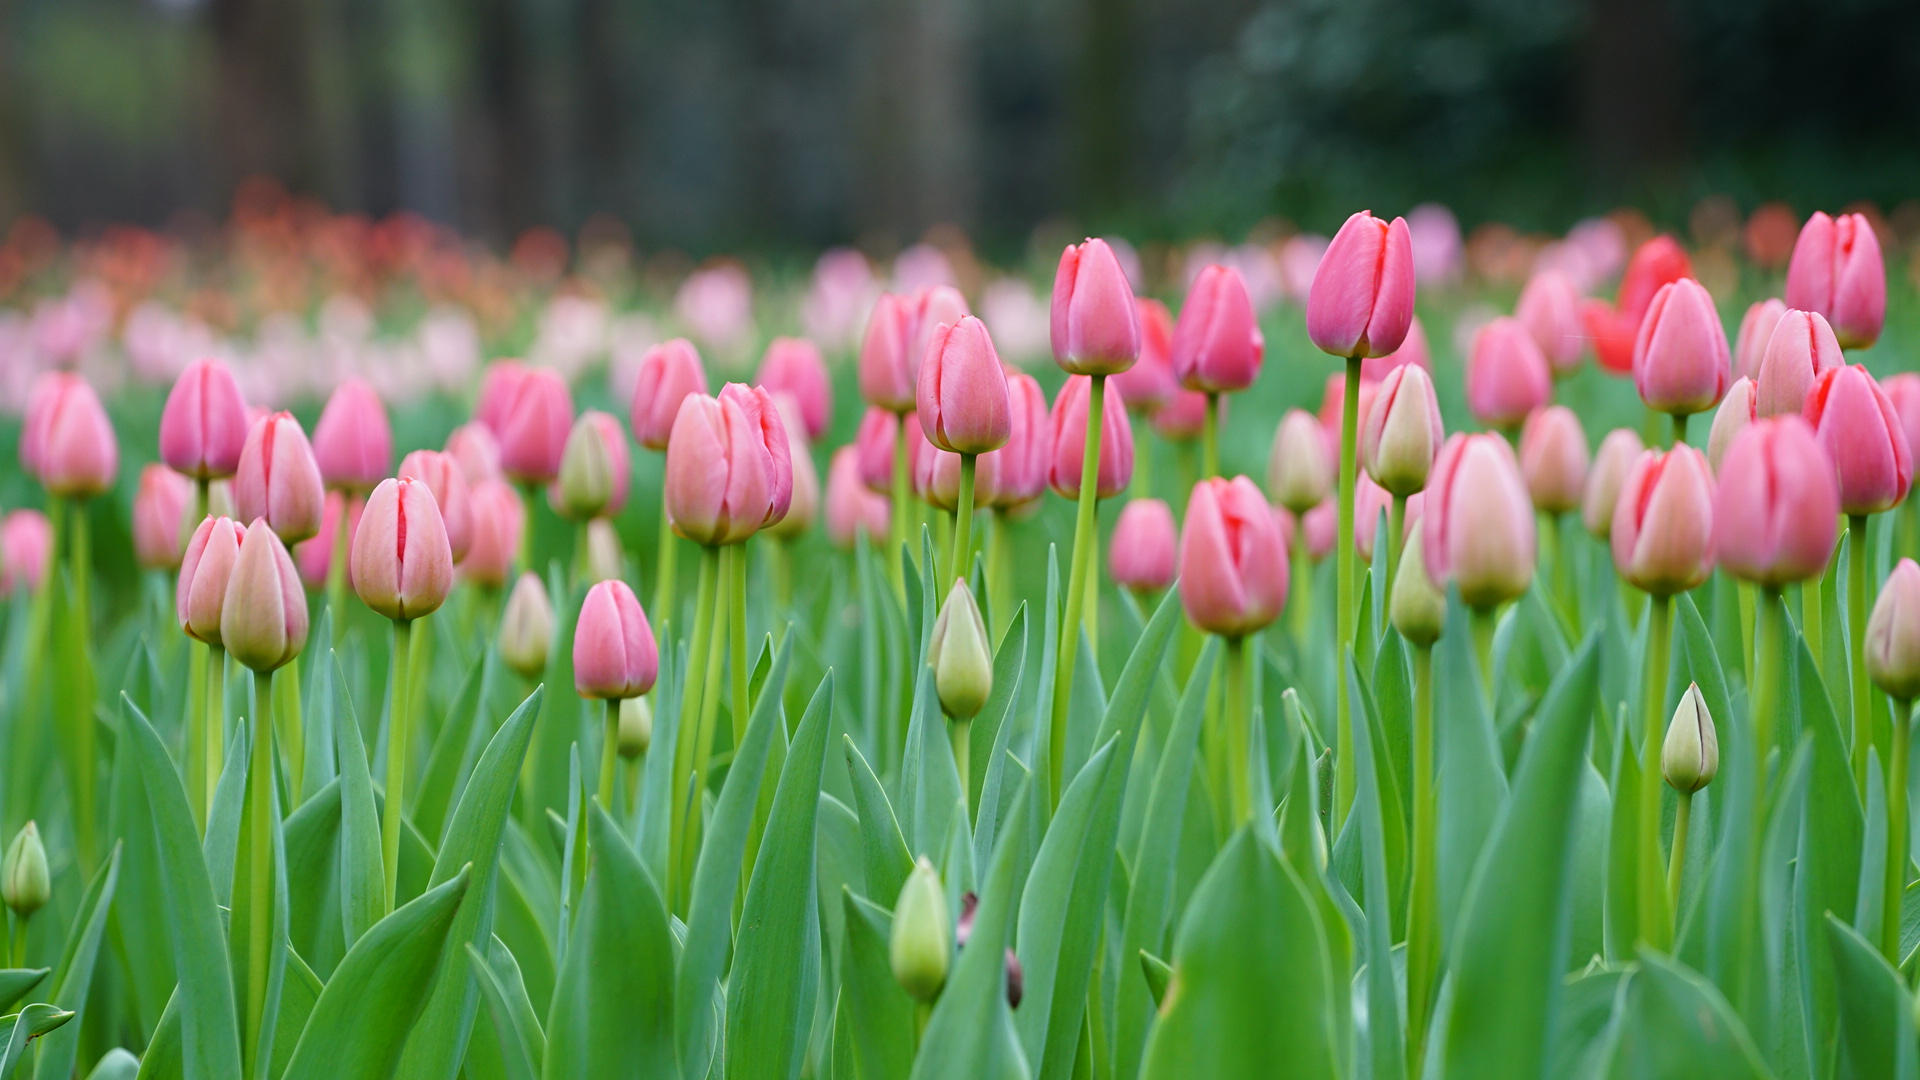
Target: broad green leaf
[[73, 976], [138, 930], [1827, 871], [19, 1029], [1676, 1024], [655, 816], [360, 1022], [517, 1058], [877, 1014], [995, 790], [325, 698], [1471, 784], [362, 875], [15, 982], [314, 922], [261, 834], [298, 995], [1374, 787], [885, 850], [1159, 976], [453, 746], [115, 1064], [1009, 663], [1876, 1012]]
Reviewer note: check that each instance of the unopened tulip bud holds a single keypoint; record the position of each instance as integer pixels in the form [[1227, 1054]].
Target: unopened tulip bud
[[889, 371], [1413, 351], [962, 397], [804, 508], [1320, 530], [1618, 451], [499, 390], [1801, 350], [1417, 607], [444, 478], [498, 519], [1299, 471], [1370, 504], [159, 511], [1690, 757], [1738, 409], [729, 466], [1892, 648], [1217, 344], [668, 372], [1183, 418], [960, 655], [533, 433], [1549, 307], [204, 423], [1777, 508], [263, 619], [26, 546], [1070, 412], [1756, 329], [67, 440], [1401, 432], [1016, 981], [1663, 526], [1681, 364], [1553, 459], [478, 452], [585, 487], [352, 442], [941, 305], [205, 570], [1095, 327], [636, 727], [921, 948], [25, 883], [606, 559], [874, 445], [793, 367], [1361, 301], [1019, 471], [1507, 375], [1150, 384], [279, 480], [851, 507], [1837, 271], [1478, 529], [401, 562], [1233, 561], [526, 627], [1903, 390], [1857, 424], [614, 655], [1144, 543]]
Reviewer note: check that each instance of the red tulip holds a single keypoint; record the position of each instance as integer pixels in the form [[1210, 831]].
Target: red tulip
[[1361, 301]]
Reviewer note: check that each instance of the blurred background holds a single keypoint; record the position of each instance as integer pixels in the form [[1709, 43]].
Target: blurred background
[[767, 125]]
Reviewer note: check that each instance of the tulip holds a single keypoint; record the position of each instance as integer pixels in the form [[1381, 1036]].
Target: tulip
[[1855, 421], [478, 452], [279, 480], [402, 563], [263, 617], [159, 511], [1477, 531], [1299, 472], [1777, 505], [733, 474], [1402, 432], [962, 399], [1615, 329], [1615, 459], [533, 434], [1507, 376], [25, 883], [594, 468], [1069, 450], [1144, 538], [1663, 523], [499, 393], [1233, 565], [1756, 329], [1904, 391], [1320, 528], [1836, 270], [26, 547], [804, 507], [1095, 327], [499, 518], [1184, 417], [314, 557], [1150, 383], [1361, 301], [1021, 468], [852, 508], [941, 305], [1681, 364], [1801, 350], [67, 442], [614, 655], [1690, 756], [1417, 607], [351, 442], [605, 560], [448, 483], [1549, 308], [920, 948], [1217, 345], [1738, 409], [873, 445], [1553, 459], [962, 659], [204, 423], [526, 627], [889, 370], [636, 728], [792, 366], [205, 570], [1892, 655], [668, 373], [1369, 502], [1414, 350]]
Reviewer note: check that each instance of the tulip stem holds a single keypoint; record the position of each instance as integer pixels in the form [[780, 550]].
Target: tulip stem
[[999, 577], [1300, 589], [1813, 623], [1896, 830], [899, 520], [1084, 525], [665, 569], [582, 557], [1483, 622], [1143, 464], [337, 573], [1679, 429], [397, 731], [609, 754], [1396, 525], [1343, 777], [1858, 557], [18, 938], [530, 495], [961, 733], [260, 860], [737, 638], [216, 720], [1239, 733], [1654, 920], [963, 518], [1210, 438], [197, 732], [688, 758], [1677, 861], [1422, 908], [80, 555]]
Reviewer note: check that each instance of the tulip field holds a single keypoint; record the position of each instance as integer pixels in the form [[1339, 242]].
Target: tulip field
[[1377, 656]]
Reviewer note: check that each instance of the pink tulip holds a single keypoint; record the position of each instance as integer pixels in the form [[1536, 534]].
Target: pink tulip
[[1477, 530], [1401, 432], [962, 399], [263, 618], [1618, 451], [1549, 308], [279, 479], [67, 442], [1663, 522], [792, 366], [1553, 459], [1362, 297], [159, 512], [1681, 364], [401, 562], [1892, 640], [448, 484], [729, 470], [1857, 424], [1233, 562], [1777, 509], [1321, 526], [1413, 350], [596, 469], [1904, 391], [1149, 384], [1217, 345], [668, 372], [1756, 329], [1095, 327], [204, 423], [936, 477], [1615, 328], [889, 370], [851, 508], [1183, 417], [499, 518], [1017, 473], [1370, 501], [804, 507], [874, 446], [1836, 270], [1115, 469], [26, 547], [614, 655], [1507, 376], [205, 568], [1300, 470], [941, 305], [499, 391], [478, 452], [1142, 552], [1738, 409], [534, 433], [352, 442], [314, 558], [1801, 350]]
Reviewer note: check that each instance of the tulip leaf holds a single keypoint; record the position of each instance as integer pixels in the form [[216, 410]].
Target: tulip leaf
[[517, 1058], [257, 1045], [18, 1030], [115, 1064], [453, 747], [884, 851], [877, 1013], [930, 778], [313, 859], [991, 804], [1471, 783], [15, 982], [1876, 1012], [1828, 871], [319, 712], [73, 977], [1675, 1023], [362, 883], [221, 846], [298, 995], [139, 929], [1623, 852], [654, 818], [1009, 662], [1384, 1020]]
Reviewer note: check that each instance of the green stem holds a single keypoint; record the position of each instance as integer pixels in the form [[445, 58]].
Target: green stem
[[1239, 733], [216, 720], [1679, 429], [293, 739], [1768, 672], [1677, 861], [1300, 587], [963, 519], [1744, 597], [81, 581], [582, 557], [1423, 915], [398, 729], [1090, 615], [1083, 529], [961, 734], [898, 521], [523, 559], [337, 572], [666, 569], [1483, 622], [19, 940], [609, 754], [1858, 557], [259, 860], [1896, 830], [1210, 438], [1813, 623], [1344, 615], [999, 574], [780, 572], [1143, 463], [1396, 525], [685, 753], [1655, 923], [737, 639], [197, 732], [942, 557]]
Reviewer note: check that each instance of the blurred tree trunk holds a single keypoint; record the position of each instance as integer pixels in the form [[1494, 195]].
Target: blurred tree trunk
[[260, 108], [1634, 90]]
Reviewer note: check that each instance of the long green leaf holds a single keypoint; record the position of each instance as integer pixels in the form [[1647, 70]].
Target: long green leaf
[[362, 872], [1676, 1024], [517, 1058], [15, 982], [1876, 1012], [30, 1023], [878, 1014], [73, 978], [884, 851]]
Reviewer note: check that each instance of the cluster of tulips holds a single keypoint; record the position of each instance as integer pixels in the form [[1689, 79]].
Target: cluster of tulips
[[1500, 802]]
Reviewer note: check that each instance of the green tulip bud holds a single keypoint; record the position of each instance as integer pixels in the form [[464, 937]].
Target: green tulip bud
[[922, 944], [585, 485], [526, 627], [605, 560], [1417, 607], [1691, 755], [962, 660], [25, 884], [636, 727]]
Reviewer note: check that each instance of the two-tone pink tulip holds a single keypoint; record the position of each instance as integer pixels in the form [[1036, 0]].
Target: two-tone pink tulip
[[1837, 271], [729, 466], [1663, 522], [1801, 350], [1094, 324], [668, 372], [204, 423], [402, 563], [1777, 507], [1233, 561], [1361, 301], [279, 479], [1070, 410], [1401, 433], [263, 616], [1477, 528], [614, 654]]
